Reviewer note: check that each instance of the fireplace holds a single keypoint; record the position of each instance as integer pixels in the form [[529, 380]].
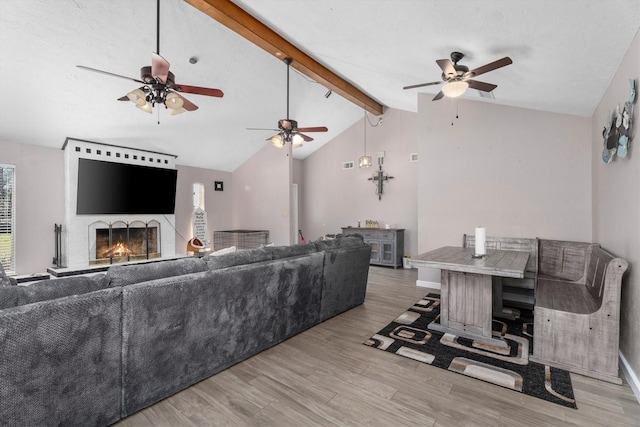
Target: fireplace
[[121, 241], [77, 244]]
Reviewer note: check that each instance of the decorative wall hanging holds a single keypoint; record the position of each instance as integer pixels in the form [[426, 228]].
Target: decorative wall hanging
[[618, 132], [379, 178]]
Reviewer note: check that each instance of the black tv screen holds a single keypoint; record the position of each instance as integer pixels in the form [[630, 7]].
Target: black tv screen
[[119, 188]]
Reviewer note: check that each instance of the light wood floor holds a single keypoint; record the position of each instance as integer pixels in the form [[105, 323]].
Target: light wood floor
[[326, 376]]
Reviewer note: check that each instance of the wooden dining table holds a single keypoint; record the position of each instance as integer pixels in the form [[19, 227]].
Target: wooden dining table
[[466, 293]]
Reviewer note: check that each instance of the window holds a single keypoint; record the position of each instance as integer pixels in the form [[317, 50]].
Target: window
[[7, 218]]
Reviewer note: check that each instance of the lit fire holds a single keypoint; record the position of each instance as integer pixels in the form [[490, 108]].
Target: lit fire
[[119, 249]]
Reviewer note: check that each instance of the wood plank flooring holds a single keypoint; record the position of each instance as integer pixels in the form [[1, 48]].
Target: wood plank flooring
[[326, 376]]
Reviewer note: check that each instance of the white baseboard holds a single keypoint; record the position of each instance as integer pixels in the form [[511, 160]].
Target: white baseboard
[[426, 284], [630, 376]]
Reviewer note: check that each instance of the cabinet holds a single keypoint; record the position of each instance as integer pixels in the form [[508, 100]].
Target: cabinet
[[387, 245]]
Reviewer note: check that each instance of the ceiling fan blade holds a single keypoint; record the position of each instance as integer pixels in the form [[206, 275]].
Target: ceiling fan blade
[[313, 129], [438, 96], [186, 104], [489, 67], [305, 137], [276, 130], [485, 87], [421, 85], [159, 67], [447, 67], [109, 74], [197, 90]]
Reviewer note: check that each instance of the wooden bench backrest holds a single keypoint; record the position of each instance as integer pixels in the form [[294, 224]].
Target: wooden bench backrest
[[509, 244], [604, 276], [563, 259]]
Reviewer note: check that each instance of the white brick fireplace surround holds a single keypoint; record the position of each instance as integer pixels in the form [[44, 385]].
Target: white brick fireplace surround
[[76, 229]]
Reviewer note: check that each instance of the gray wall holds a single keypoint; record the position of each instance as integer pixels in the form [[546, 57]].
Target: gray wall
[[333, 198], [616, 203], [39, 202]]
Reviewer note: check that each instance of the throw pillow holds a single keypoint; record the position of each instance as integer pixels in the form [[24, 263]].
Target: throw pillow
[[224, 251]]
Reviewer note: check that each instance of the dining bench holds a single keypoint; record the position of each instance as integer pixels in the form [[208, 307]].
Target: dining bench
[[577, 308]]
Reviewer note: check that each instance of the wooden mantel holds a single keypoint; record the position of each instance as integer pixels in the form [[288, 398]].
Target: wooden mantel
[[238, 20]]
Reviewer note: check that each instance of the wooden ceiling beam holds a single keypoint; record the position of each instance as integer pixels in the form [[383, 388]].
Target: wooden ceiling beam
[[237, 19]]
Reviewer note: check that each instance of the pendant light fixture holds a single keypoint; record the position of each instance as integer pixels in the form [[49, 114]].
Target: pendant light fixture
[[365, 161]]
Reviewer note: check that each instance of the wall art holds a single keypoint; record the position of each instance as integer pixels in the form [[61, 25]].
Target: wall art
[[618, 132]]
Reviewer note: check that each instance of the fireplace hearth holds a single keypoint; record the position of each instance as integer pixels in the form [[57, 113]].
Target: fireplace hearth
[[121, 241]]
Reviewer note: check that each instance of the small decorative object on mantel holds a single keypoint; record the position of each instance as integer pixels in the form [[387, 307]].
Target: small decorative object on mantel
[[618, 132], [379, 178]]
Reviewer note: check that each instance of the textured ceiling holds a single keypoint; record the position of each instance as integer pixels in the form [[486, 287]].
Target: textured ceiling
[[564, 56]]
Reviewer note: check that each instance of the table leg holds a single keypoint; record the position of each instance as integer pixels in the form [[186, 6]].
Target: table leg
[[466, 306]]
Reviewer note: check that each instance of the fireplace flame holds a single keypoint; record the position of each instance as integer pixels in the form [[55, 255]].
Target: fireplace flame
[[119, 249]]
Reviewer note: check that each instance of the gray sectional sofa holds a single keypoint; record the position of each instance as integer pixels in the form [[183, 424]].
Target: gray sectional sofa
[[92, 350]]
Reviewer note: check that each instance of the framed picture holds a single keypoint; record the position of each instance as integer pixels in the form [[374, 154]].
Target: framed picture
[[219, 186]]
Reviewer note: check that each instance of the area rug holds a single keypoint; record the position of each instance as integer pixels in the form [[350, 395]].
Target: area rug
[[409, 336]]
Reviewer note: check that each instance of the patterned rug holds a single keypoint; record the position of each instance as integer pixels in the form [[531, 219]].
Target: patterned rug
[[409, 336]]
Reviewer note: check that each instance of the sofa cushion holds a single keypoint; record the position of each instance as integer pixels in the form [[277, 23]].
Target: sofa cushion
[[248, 256], [278, 252], [127, 274], [44, 290]]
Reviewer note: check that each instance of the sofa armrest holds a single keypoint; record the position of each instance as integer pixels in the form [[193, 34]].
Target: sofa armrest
[[60, 361]]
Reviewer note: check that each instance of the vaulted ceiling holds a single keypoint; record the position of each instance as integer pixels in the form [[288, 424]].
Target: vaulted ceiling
[[564, 56]]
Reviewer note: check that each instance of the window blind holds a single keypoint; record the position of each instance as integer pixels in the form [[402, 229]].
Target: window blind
[[7, 218]]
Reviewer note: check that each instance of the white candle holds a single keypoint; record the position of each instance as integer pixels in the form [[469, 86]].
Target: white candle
[[481, 241]]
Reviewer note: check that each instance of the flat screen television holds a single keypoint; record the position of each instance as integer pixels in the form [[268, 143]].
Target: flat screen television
[[120, 188]]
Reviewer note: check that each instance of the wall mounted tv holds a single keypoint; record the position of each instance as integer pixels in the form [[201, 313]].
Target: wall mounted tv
[[120, 188]]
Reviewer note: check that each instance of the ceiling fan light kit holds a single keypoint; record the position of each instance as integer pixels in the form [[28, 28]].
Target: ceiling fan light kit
[[288, 130], [277, 141], [138, 97], [159, 86], [455, 89], [458, 78]]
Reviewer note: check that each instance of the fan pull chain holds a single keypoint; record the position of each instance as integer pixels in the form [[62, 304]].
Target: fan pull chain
[[452, 105], [454, 102]]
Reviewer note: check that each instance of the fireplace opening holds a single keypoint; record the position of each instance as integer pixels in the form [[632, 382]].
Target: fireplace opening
[[117, 243]]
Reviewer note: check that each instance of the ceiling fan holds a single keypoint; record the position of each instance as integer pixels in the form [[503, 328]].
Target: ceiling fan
[[158, 84], [458, 78], [288, 130]]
